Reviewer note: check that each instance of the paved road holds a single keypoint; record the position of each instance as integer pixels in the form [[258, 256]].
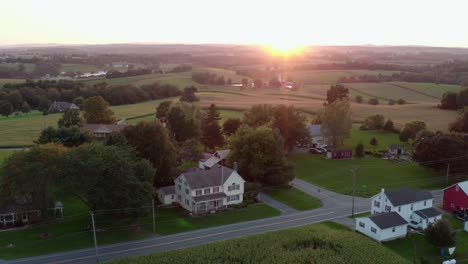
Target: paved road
[[284, 209], [335, 206]]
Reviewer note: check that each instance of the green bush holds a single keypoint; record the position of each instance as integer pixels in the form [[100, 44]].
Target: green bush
[[373, 101]]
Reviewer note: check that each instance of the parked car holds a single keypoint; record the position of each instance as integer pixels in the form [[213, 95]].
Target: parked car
[[315, 151], [319, 145], [459, 214], [323, 150]]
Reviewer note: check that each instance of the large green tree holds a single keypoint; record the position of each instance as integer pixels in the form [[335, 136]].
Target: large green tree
[[108, 177], [183, 121], [211, 130], [67, 136], [6, 108], [337, 92], [34, 174], [375, 122], [440, 234], [291, 124], [96, 111], [71, 118], [260, 155], [152, 142], [231, 125], [163, 107], [258, 115], [189, 95], [336, 121], [449, 101], [411, 129]]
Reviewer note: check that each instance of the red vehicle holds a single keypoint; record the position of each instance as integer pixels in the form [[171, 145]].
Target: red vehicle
[[339, 154], [456, 197]]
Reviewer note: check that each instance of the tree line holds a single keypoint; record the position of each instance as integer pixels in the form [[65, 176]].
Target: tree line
[[210, 78], [39, 95]]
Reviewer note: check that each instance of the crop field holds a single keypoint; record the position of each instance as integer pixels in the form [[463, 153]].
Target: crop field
[[4, 81], [319, 243], [432, 89], [329, 76], [28, 67], [79, 68], [224, 114]]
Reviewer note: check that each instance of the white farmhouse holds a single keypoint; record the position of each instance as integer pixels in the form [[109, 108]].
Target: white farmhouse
[[382, 227], [413, 206], [202, 191], [316, 134]]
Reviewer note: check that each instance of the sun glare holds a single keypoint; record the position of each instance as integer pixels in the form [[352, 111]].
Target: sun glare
[[285, 49]]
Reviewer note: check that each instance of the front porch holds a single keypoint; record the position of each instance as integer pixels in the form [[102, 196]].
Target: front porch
[[207, 203]]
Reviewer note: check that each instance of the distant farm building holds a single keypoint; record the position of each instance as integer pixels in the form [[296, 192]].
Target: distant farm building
[[316, 134], [60, 107], [101, 131], [22, 212], [456, 197], [219, 157], [395, 150], [336, 154]]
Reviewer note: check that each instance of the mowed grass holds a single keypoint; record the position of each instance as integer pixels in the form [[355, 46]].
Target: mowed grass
[[224, 114], [384, 139], [79, 68], [372, 174], [23, 129], [432, 89], [4, 154], [319, 243], [405, 247], [294, 198], [73, 231]]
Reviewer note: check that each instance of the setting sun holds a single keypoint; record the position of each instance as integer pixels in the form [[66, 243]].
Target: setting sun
[[285, 48]]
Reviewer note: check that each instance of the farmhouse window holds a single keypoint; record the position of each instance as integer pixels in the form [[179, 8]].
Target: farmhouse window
[[207, 190], [388, 208], [179, 187], [172, 197], [361, 224], [393, 230], [374, 230], [215, 189], [399, 208], [187, 202], [179, 198], [233, 187], [186, 191], [376, 203], [198, 192]]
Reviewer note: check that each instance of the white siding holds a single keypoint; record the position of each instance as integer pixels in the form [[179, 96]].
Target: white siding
[[380, 203], [380, 235], [181, 192], [423, 223], [234, 179]]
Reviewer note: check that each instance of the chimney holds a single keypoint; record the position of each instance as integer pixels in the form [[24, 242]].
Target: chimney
[[235, 166], [382, 191]]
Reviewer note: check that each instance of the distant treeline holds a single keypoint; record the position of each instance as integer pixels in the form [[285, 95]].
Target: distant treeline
[[181, 68], [210, 78], [40, 69], [351, 66], [40, 94]]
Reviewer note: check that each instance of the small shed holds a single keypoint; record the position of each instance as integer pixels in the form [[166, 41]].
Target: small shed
[[336, 153], [166, 195], [395, 150]]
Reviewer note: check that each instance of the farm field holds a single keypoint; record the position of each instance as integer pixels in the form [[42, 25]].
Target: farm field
[[329, 76], [225, 114], [28, 67], [372, 174], [317, 243], [384, 138], [73, 231], [79, 68], [405, 248], [4, 154], [294, 198], [5, 81]]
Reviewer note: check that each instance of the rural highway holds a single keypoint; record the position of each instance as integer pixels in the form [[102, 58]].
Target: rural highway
[[335, 206]]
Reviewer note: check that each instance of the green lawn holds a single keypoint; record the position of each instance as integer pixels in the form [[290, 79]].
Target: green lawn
[[405, 247], [320, 243], [294, 198], [372, 174], [72, 232], [4, 154], [384, 138]]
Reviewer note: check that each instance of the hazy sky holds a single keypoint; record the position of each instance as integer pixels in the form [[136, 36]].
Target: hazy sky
[[280, 23]]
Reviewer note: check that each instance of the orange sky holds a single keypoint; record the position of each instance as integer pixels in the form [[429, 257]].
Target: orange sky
[[283, 24]]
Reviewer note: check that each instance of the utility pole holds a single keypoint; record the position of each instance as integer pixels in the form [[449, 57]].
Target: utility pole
[[447, 177], [154, 216], [94, 234], [353, 171]]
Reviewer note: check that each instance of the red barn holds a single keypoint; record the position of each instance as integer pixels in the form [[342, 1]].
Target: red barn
[[339, 154], [456, 197]]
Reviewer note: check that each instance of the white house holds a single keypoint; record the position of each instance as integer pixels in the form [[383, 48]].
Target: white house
[[413, 206], [202, 191], [382, 227], [395, 150], [219, 157], [166, 195], [316, 134]]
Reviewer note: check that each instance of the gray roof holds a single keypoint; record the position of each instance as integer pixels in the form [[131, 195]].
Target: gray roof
[[387, 220], [61, 106], [215, 158], [215, 176], [428, 212], [406, 196], [167, 190], [315, 130], [209, 197], [394, 147]]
